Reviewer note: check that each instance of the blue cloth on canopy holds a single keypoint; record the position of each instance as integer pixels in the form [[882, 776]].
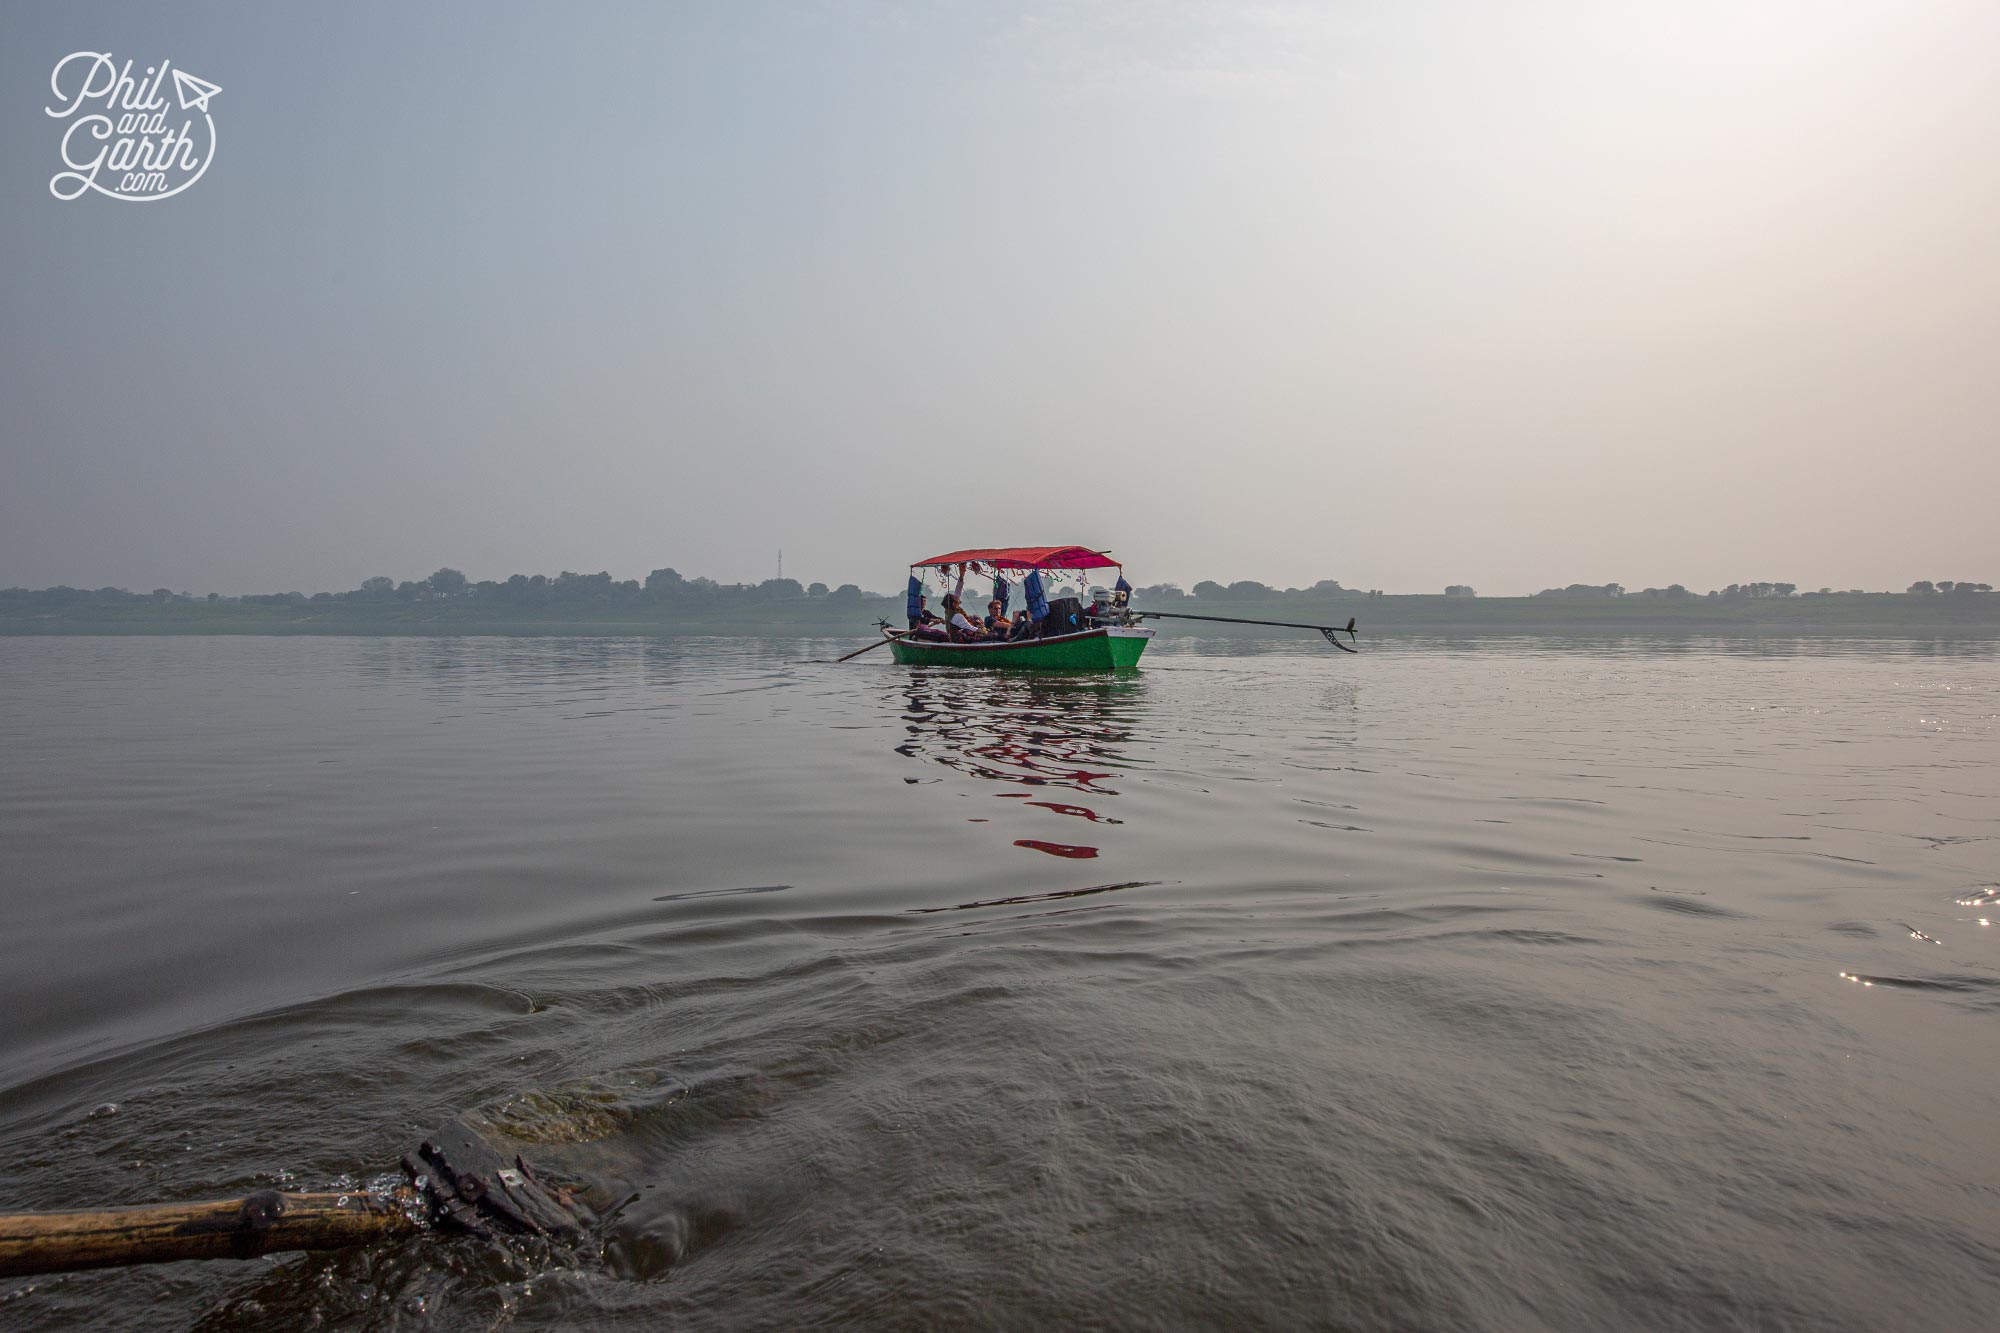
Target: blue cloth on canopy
[[1038, 601], [1000, 592], [913, 599], [1121, 585]]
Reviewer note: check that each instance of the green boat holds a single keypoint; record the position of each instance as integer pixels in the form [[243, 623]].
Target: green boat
[[1109, 648], [1053, 631], [1056, 630]]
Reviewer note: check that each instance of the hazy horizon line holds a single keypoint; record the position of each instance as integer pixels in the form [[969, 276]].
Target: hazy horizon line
[[1187, 588]]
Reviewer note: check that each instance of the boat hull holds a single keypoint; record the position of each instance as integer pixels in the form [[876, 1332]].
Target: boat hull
[[1114, 648]]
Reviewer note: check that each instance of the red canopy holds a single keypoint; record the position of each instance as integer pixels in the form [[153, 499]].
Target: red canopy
[[1028, 557]]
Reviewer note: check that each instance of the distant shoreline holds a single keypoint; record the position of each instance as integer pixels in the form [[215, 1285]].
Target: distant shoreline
[[1974, 616]]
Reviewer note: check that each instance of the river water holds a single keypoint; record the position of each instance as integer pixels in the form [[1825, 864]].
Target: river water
[[1500, 985]]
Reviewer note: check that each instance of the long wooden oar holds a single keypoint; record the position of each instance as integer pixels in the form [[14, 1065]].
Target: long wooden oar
[[261, 1223], [869, 649], [1328, 630], [460, 1181]]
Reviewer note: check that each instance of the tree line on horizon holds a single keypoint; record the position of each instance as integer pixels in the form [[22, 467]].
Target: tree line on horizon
[[662, 585], [666, 586], [565, 589], [1737, 592]]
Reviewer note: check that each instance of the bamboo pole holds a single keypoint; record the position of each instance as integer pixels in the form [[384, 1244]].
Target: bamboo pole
[[261, 1223]]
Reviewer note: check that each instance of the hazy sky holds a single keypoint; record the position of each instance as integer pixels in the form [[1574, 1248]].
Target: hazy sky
[[1396, 293]]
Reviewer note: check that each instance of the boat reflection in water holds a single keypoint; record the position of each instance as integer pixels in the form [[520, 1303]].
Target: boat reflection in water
[[1056, 744]]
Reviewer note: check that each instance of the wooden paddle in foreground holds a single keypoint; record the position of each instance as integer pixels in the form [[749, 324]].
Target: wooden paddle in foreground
[[261, 1223], [458, 1182]]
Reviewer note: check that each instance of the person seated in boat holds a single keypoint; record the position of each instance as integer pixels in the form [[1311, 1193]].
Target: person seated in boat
[[961, 626], [1119, 611], [925, 623], [1109, 608], [998, 624], [1024, 625]]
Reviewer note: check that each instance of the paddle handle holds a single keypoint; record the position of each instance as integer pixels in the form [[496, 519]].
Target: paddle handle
[[869, 649], [260, 1223]]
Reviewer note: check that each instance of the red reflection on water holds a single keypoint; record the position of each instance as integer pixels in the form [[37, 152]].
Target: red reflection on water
[[1057, 848], [1081, 812]]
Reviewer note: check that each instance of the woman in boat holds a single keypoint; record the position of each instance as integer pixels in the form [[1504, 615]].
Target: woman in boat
[[962, 628]]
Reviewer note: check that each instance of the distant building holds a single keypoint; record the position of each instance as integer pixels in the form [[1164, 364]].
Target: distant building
[[1459, 590]]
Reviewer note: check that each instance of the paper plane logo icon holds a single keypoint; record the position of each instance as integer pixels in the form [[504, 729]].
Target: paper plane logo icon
[[151, 160], [194, 93]]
